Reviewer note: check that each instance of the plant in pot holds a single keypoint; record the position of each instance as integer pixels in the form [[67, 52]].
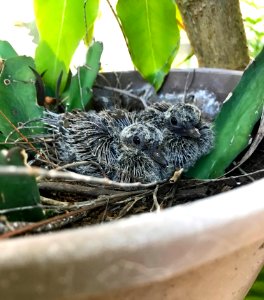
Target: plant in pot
[[178, 252]]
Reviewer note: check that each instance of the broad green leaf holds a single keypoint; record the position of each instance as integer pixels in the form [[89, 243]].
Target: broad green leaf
[[18, 191], [81, 85], [235, 122], [6, 50], [18, 101], [61, 24], [152, 34]]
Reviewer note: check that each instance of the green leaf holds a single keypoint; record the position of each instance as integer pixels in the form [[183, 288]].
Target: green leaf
[[18, 101], [235, 122], [152, 34], [61, 24], [18, 191], [6, 50], [253, 21], [81, 85]]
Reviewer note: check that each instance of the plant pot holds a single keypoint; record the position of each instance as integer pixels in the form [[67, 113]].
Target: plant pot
[[208, 249]]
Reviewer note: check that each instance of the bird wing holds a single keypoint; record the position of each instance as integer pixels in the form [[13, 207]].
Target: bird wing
[[136, 167], [161, 106]]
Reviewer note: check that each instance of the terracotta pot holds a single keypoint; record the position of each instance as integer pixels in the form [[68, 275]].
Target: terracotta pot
[[208, 249]]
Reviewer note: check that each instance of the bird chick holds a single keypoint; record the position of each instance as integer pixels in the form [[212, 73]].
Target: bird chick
[[140, 156], [87, 136], [124, 149], [186, 136]]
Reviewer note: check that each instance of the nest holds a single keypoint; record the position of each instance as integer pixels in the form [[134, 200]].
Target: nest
[[74, 200]]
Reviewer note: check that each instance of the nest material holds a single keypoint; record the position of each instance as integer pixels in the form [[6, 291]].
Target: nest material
[[76, 203]]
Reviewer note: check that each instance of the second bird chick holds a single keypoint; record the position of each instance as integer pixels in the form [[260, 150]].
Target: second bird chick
[[187, 136]]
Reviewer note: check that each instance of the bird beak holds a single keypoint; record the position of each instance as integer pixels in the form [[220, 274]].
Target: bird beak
[[159, 158], [191, 132]]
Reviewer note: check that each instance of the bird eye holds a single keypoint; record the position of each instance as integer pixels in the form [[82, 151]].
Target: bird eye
[[173, 121], [190, 98], [136, 140]]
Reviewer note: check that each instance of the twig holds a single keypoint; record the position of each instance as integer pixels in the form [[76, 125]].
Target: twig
[[155, 199], [121, 195], [142, 195], [221, 179], [120, 91], [79, 207], [13, 171], [22, 126], [176, 175], [73, 188], [105, 211], [101, 75], [53, 202], [82, 163], [186, 87], [246, 174], [24, 138], [21, 208], [30, 227], [129, 205], [64, 205]]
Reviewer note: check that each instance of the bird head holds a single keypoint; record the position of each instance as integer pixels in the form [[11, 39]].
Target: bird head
[[144, 138], [183, 120]]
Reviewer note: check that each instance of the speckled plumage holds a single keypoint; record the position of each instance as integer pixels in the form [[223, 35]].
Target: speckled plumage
[[127, 146], [140, 157], [187, 136], [125, 149]]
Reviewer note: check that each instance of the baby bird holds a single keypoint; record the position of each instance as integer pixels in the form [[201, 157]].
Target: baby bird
[[86, 135], [140, 157], [186, 136], [122, 148]]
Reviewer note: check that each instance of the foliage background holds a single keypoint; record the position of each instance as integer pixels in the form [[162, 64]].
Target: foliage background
[[18, 15]]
